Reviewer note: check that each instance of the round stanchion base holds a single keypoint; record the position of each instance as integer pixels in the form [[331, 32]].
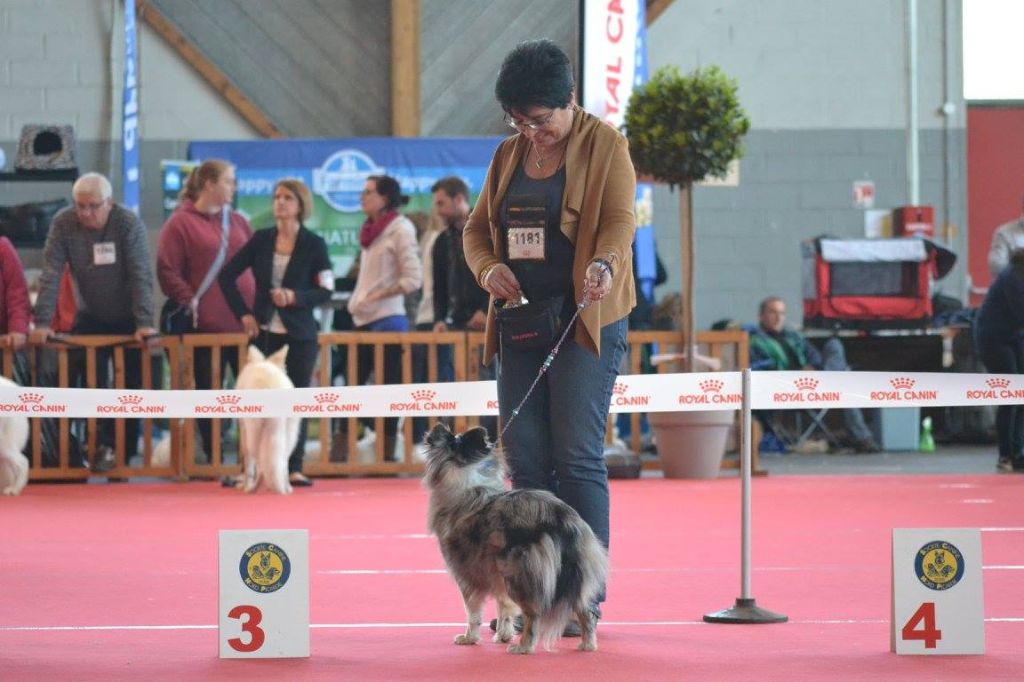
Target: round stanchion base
[[745, 611]]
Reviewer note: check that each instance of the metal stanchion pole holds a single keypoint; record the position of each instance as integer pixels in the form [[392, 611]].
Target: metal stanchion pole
[[746, 609]]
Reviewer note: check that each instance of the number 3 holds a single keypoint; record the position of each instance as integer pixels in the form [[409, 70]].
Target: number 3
[[251, 625], [925, 616]]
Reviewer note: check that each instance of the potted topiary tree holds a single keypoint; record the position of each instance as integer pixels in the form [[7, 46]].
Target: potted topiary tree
[[681, 130]]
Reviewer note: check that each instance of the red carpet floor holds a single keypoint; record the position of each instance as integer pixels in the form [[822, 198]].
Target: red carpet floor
[[119, 582]]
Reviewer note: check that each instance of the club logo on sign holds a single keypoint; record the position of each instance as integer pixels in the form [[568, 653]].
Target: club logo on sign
[[939, 565], [264, 567]]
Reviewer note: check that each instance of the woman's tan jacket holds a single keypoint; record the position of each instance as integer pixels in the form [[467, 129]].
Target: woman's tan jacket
[[597, 217]]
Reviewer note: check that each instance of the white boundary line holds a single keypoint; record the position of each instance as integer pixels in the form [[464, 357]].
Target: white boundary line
[[377, 626]]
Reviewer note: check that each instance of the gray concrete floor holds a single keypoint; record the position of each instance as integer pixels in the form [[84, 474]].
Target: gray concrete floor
[[947, 459]]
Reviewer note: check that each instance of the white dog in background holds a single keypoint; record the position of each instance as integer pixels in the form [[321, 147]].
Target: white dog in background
[[268, 441], [14, 432]]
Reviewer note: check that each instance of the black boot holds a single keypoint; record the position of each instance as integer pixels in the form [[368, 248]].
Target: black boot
[[389, 449], [339, 446]]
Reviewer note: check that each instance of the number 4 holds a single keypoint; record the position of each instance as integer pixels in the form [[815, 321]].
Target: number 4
[[925, 616], [251, 625]]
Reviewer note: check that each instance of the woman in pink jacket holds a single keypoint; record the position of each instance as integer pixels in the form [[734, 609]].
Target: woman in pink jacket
[[190, 254]]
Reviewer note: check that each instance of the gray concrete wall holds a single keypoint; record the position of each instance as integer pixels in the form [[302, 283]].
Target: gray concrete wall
[[824, 84]]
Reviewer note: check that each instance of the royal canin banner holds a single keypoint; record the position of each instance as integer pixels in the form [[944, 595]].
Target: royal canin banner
[[781, 390], [631, 393]]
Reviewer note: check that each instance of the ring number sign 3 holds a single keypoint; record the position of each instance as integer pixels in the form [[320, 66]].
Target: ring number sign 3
[[264, 594]]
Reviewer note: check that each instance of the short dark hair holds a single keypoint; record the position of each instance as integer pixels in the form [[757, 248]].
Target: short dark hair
[[767, 302], [452, 185], [389, 188], [537, 73]]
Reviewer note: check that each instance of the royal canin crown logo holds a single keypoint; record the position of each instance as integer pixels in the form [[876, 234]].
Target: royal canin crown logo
[[805, 384], [129, 399], [30, 397], [711, 385], [997, 382], [423, 394], [620, 388], [905, 383], [326, 398], [228, 399]]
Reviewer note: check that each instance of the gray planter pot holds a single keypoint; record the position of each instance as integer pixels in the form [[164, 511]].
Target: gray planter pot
[[691, 444]]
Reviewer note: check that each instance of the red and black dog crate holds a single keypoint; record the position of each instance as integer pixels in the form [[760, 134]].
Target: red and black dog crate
[[869, 283]]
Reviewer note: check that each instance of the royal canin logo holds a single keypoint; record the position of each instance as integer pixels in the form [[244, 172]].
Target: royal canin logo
[[619, 397], [327, 402], [806, 384], [425, 399], [903, 390], [30, 402], [228, 403], [998, 389], [806, 392], [131, 404], [711, 385], [710, 394]]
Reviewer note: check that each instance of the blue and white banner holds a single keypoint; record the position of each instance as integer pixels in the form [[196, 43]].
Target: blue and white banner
[[130, 112], [336, 171]]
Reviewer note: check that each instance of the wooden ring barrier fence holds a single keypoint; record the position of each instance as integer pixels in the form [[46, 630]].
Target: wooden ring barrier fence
[[731, 347]]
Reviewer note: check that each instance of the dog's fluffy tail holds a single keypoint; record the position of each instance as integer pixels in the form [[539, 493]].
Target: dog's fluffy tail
[[563, 573]]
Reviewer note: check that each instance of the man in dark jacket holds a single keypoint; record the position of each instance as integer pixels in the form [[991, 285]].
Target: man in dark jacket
[[459, 302], [773, 346]]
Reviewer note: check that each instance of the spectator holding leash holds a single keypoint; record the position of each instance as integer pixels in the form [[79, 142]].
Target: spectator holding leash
[[292, 274], [554, 223]]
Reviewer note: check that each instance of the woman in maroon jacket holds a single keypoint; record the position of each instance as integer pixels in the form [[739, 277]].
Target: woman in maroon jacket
[[189, 248], [15, 313]]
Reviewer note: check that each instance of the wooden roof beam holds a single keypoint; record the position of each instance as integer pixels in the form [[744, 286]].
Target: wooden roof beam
[[405, 68], [245, 107], [655, 8]]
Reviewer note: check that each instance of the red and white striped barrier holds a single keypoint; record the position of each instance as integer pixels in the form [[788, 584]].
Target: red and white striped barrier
[[631, 393]]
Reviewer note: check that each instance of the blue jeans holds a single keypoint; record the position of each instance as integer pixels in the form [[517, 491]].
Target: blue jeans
[[556, 442]]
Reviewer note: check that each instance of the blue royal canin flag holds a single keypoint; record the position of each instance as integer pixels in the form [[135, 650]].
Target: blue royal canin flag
[[130, 113]]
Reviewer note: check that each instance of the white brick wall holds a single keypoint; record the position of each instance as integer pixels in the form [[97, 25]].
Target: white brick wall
[[54, 68]]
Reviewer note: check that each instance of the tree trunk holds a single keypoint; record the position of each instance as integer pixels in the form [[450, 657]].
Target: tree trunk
[[686, 245]]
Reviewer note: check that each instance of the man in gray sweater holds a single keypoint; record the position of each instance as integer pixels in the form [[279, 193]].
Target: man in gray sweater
[[107, 249]]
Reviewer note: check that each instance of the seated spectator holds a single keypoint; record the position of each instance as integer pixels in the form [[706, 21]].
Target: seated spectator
[[107, 249], [773, 346]]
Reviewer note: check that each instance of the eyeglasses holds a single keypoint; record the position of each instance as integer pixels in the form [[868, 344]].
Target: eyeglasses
[[368, 192], [532, 125], [89, 208]]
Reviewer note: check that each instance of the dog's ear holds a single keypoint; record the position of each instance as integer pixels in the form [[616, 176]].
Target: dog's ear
[[473, 443], [278, 357], [439, 436], [253, 355]]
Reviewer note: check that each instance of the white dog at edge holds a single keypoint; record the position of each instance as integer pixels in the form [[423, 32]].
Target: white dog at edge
[[14, 432], [268, 441]]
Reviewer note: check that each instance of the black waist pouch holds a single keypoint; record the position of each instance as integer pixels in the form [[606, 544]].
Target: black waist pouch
[[532, 326]]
